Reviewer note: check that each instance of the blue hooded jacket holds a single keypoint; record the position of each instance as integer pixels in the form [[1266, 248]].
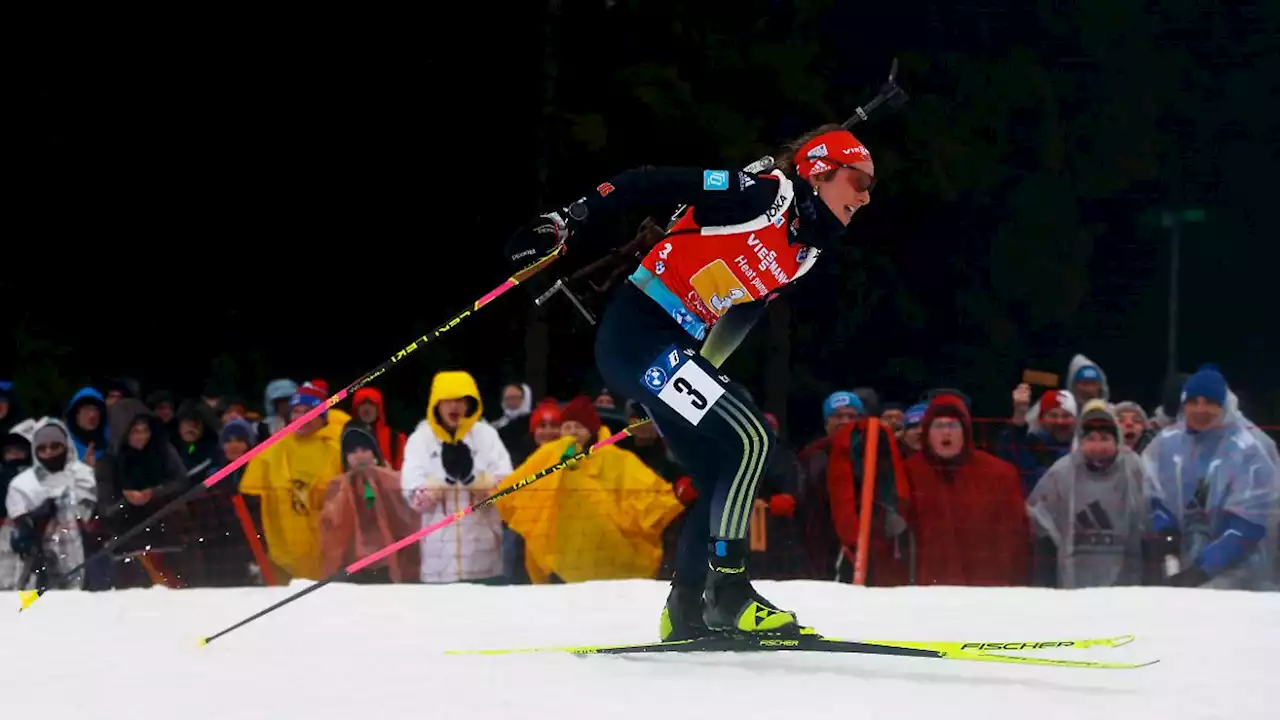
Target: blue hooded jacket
[[81, 437]]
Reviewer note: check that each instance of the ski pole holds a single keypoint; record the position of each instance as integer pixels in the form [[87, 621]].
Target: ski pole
[[448, 520], [28, 597]]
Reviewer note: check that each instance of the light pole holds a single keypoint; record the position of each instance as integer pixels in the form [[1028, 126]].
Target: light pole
[[1173, 220]]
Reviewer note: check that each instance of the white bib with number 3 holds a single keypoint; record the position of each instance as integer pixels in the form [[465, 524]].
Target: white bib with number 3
[[683, 386]]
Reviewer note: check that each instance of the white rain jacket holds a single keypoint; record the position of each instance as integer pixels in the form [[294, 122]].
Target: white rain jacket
[[74, 492], [1218, 488], [471, 548]]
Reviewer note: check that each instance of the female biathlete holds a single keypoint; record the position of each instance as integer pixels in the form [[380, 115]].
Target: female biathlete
[[688, 305]]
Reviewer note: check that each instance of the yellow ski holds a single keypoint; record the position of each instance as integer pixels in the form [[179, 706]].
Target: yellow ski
[[810, 641]]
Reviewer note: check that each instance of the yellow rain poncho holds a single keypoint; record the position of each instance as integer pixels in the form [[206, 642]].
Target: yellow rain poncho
[[291, 477], [599, 520]]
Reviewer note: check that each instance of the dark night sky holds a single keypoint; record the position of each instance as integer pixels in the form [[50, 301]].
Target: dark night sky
[[305, 202]]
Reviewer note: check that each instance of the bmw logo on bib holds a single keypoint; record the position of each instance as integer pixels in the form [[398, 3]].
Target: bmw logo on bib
[[682, 385], [655, 378]]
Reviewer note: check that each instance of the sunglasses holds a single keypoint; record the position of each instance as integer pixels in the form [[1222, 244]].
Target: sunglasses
[[861, 180]]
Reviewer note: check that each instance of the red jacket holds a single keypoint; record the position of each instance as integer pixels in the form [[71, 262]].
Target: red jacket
[[970, 521], [381, 430]]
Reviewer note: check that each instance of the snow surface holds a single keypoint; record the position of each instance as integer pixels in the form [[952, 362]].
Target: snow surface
[[377, 652]]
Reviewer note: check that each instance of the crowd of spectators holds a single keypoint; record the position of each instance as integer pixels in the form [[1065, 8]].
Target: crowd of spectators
[[1074, 488]]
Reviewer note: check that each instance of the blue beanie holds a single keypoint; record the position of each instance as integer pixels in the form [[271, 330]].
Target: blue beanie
[[841, 399], [915, 414], [1087, 372], [1207, 383]]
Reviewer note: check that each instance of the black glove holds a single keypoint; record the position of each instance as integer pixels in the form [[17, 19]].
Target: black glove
[[538, 238], [1193, 576], [28, 528], [23, 540], [458, 463]]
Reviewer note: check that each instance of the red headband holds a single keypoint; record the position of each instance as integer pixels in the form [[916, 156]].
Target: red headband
[[828, 151]]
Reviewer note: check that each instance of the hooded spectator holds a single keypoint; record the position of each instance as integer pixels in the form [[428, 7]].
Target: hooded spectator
[[1039, 437], [86, 420], [141, 474], [369, 408], [968, 514], [162, 405], [15, 444], [365, 511], [1218, 499], [517, 403], [454, 459], [290, 478], [1086, 381], [1232, 409], [196, 439], [1089, 512], [119, 388], [213, 394], [275, 406], [46, 504]]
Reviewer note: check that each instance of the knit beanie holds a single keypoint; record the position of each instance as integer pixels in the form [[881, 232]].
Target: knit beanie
[[915, 415], [544, 412], [1087, 372], [1133, 407], [238, 429], [309, 397], [841, 399], [1054, 399], [359, 436], [582, 411], [1096, 416], [1206, 383]]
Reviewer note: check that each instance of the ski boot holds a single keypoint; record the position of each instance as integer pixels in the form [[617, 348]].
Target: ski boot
[[732, 605], [682, 615]]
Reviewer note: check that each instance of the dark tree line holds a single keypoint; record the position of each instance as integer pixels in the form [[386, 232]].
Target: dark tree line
[[1011, 227]]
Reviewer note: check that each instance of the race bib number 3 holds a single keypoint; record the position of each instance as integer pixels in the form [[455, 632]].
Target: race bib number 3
[[683, 386]]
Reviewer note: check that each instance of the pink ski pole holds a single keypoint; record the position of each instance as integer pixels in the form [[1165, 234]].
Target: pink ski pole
[[30, 596], [408, 540]]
